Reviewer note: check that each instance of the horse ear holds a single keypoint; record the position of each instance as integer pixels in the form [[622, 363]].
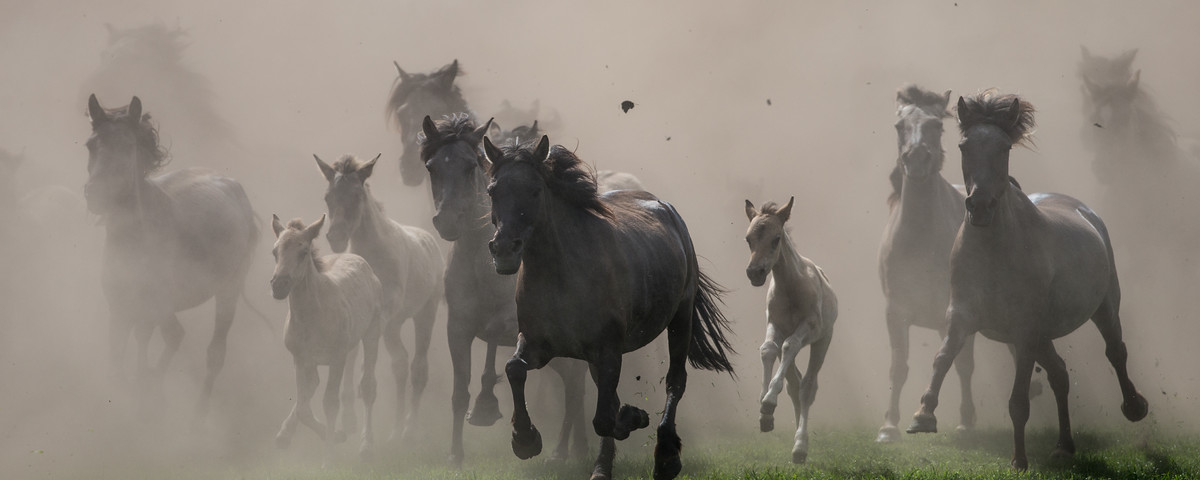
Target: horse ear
[[135, 110], [751, 212], [429, 129], [446, 78], [964, 111], [945, 99], [311, 232], [1126, 59], [542, 152], [478, 134], [364, 171], [533, 129], [403, 75], [786, 212], [326, 170], [1132, 86], [495, 128], [1015, 111], [95, 111], [491, 154], [275, 225]]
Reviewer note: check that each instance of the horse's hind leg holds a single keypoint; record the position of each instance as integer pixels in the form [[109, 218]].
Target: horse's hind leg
[[150, 388], [808, 393], [349, 421], [1108, 321], [172, 332], [331, 404], [487, 406], [1060, 384], [226, 306], [459, 340], [924, 421], [419, 370], [367, 389], [898, 335], [395, 347], [679, 337], [571, 372], [965, 366]]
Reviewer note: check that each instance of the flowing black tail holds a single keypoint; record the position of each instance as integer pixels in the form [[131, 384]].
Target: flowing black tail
[[710, 347]]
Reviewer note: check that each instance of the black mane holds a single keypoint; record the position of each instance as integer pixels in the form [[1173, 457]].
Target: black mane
[[152, 156], [451, 128], [407, 83], [564, 173], [1009, 112]]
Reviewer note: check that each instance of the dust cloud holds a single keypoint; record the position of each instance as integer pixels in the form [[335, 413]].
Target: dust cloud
[[732, 102]]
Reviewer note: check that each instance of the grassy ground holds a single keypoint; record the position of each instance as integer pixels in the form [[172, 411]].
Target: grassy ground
[[842, 454]]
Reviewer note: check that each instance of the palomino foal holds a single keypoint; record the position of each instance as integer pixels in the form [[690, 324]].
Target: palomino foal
[[333, 304], [801, 309]]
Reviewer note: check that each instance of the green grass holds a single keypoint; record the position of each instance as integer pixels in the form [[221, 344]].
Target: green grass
[[840, 454]]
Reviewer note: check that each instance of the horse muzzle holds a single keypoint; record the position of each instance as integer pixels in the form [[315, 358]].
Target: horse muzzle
[[506, 254], [281, 286], [980, 212], [448, 226], [757, 275], [338, 241]]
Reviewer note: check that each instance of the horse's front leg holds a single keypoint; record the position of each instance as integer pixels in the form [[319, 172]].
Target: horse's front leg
[[769, 352], [526, 441], [487, 406], [924, 420], [791, 348], [898, 330], [459, 340], [571, 371], [367, 388], [306, 385], [1060, 384]]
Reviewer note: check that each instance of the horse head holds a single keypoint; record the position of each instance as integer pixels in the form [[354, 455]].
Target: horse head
[[765, 237], [991, 125], [414, 96], [450, 151], [346, 197], [122, 149], [293, 246]]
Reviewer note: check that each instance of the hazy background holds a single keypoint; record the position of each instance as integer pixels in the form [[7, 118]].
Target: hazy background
[[295, 80]]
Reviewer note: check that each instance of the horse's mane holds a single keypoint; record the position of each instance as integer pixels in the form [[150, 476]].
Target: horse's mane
[[319, 263], [770, 208], [564, 173], [451, 128], [154, 156], [928, 101], [347, 164], [404, 86], [992, 107]]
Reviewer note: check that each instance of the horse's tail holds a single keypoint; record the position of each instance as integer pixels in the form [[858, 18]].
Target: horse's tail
[[710, 348]]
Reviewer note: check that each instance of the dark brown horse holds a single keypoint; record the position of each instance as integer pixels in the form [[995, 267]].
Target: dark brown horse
[[415, 95], [914, 256], [173, 241], [597, 277], [480, 302], [1025, 270]]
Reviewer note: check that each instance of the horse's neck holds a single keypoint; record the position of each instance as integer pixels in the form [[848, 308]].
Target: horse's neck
[[559, 221], [374, 229], [1016, 218], [309, 288], [789, 270], [924, 202], [147, 214]]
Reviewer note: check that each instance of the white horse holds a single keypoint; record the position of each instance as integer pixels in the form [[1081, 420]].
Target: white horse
[[801, 309], [334, 302]]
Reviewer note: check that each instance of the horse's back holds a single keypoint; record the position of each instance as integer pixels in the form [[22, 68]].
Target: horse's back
[[1081, 257], [210, 209]]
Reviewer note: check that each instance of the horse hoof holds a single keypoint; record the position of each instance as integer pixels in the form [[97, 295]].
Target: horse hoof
[[455, 460], [766, 423], [486, 411], [600, 474], [1137, 409], [923, 423], [1062, 454], [799, 456], [527, 444], [963, 428], [1020, 464], [632, 418], [366, 453], [667, 469], [888, 434], [282, 441]]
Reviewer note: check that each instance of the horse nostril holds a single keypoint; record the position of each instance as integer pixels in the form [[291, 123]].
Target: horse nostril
[[492, 247], [516, 246]]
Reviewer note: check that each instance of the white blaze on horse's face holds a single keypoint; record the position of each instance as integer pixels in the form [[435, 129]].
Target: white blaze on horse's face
[[985, 150], [293, 247], [765, 237], [919, 138]]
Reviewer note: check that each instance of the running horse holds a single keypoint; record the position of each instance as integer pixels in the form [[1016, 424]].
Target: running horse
[[597, 277], [480, 302], [1025, 270], [914, 256], [172, 242], [415, 95], [409, 265], [801, 309]]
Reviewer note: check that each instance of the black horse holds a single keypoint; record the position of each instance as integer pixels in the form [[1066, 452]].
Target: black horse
[[597, 277], [415, 95], [480, 302]]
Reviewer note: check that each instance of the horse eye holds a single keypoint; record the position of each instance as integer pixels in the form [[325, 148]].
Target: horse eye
[[775, 242]]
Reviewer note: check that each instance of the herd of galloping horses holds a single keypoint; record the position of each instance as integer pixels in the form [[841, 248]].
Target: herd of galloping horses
[[573, 274]]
